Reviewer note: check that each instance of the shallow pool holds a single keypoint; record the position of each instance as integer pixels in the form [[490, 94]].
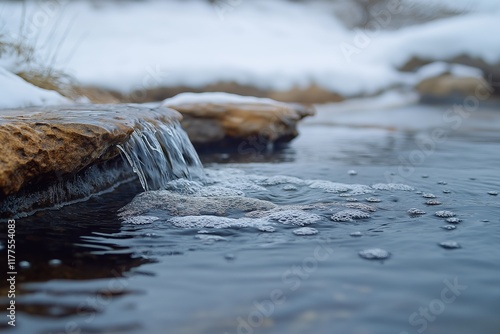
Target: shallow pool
[[317, 237]]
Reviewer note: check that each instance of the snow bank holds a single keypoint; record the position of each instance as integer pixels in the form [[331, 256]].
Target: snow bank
[[17, 93], [214, 98], [278, 45]]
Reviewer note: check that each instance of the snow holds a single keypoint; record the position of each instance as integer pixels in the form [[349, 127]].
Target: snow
[[278, 45], [15, 92], [439, 68], [215, 98]]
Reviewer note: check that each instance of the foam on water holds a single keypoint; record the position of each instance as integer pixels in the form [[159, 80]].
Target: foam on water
[[450, 244], [416, 212], [445, 214], [232, 199], [305, 231], [374, 254], [349, 215], [392, 187]]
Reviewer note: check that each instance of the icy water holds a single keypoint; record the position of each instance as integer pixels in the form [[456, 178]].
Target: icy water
[[372, 221]]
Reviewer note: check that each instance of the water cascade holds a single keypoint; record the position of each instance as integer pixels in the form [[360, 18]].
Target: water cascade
[[159, 153]]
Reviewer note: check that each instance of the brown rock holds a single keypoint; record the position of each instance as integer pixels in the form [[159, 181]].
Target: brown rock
[[219, 119], [309, 94], [44, 144], [491, 71], [449, 86]]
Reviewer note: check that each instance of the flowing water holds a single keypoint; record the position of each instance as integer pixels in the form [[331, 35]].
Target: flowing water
[[372, 221]]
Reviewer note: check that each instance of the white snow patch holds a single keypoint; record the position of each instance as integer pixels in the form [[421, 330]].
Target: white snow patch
[[17, 93]]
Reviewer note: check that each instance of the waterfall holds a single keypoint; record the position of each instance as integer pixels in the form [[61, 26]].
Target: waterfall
[[159, 153]]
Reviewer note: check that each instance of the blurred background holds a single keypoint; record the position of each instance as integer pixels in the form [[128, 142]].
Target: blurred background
[[303, 51]]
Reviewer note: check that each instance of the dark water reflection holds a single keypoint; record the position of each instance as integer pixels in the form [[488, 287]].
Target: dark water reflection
[[122, 278]]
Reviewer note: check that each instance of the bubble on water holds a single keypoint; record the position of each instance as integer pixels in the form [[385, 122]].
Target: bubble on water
[[493, 193], [428, 195], [446, 191], [230, 257], [215, 222], [392, 186], [338, 188], [418, 192], [374, 254], [453, 220], [280, 179], [24, 264], [352, 172], [266, 228], [305, 231], [445, 214], [361, 206], [351, 199], [289, 187], [356, 234], [442, 183], [485, 221], [373, 200], [448, 227], [55, 262], [141, 220], [293, 217], [210, 237], [433, 202], [216, 191], [349, 215], [416, 212], [450, 244], [174, 204]]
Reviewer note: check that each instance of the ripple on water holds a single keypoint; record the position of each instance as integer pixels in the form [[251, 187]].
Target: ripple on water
[[493, 193], [210, 237], [433, 202], [141, 220], [356, 234], [373, 200], [349, 215], [449, 227], [305, 231], [428, 195], [392, 186], [374, 254]]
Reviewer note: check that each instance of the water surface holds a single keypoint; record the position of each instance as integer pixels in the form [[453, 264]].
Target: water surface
[[134, 266]]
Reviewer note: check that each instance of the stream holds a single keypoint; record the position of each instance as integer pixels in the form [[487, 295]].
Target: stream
[[371, 221]]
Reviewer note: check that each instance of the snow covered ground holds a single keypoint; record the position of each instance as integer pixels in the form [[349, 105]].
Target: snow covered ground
[[17, 93], [128, 46]]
